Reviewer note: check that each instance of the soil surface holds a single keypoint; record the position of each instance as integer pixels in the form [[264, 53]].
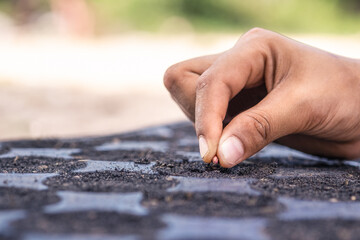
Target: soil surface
[[110, 181], [33, 164], [145, 156], [200, 169], [215, 204], [56, 143], [327, 229], [91, 222], [334, 188], [152, 184], [22, 198]]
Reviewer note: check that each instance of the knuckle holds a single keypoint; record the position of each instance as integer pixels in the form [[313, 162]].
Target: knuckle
[[202, 83], [256, 34], [256, 31], [258, 37], [260, 124], [172, 75]]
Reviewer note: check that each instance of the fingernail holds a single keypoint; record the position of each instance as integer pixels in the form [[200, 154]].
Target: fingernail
[[203, 146], [215, 160], [231, 150]]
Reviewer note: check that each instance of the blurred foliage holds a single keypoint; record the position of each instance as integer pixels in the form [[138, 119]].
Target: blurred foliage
[[330, 16], [334, 16], [5, 6]]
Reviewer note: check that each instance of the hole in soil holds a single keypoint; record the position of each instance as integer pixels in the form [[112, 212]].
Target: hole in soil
[[38, 165], [314, 229], [110, 181], [219, 204], [22, 198]]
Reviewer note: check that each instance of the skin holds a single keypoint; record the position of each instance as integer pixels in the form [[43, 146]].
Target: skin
[[270, 88]]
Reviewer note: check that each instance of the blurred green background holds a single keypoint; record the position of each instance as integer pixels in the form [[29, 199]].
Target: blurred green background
[[294, 16]]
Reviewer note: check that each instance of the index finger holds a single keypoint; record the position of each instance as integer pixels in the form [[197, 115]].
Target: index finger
[[241, 67]]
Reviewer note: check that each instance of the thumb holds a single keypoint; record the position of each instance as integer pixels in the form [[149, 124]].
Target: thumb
[[250, 131]]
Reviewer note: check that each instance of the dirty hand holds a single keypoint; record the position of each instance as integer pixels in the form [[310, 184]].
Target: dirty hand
[[266, 88]]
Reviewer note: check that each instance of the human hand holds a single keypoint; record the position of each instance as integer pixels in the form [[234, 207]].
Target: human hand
[[266, 88]]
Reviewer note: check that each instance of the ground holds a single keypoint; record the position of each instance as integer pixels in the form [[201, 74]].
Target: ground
[[152, 184]]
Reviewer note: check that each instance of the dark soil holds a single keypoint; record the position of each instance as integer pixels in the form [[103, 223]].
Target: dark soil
[[138, 156], [338, 187], [35, 164], [21, 198], [90, 222], [180, 130], [298, 162], [194, 148], [219, 204], [324, 229], [110, 181], [3, 237], [56, 143], [4, 149], [200, 169], [274, 177], [142, 138], [86, 143], [144, 157]]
